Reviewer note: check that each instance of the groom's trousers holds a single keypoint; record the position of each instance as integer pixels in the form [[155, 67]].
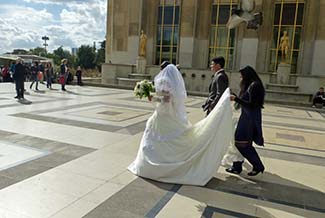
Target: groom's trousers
[[249, 152]]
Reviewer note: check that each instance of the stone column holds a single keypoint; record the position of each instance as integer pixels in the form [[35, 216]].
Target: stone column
[[135, 14], [187, 31], [119, 27], [318, 57], [248, 51], [109, 27], [149, 25], [202, 30], [265, 36], [311, 20], [123, 29], [247, 44]]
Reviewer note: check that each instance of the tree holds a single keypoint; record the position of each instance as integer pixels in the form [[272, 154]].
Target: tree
[[100, 57], [19, 51], [60, 54], [86, 57], [38, 51]]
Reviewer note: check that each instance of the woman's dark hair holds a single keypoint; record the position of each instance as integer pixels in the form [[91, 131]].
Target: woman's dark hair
[[249, 76]]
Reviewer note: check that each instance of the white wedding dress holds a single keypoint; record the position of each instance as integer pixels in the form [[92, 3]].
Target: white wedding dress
[[174, 151]]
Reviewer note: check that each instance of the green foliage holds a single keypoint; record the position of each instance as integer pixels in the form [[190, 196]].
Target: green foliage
[[19, 51], [60, 54], [86, 57], [38, 51], [100, 56], [143, 89]]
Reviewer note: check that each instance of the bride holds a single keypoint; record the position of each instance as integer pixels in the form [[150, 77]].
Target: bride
[[174, 151]]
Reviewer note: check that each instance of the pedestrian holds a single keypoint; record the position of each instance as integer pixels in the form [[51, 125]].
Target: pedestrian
[[249, 126]]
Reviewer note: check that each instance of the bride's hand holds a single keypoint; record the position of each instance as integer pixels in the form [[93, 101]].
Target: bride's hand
[[232, 97], [166, 98]]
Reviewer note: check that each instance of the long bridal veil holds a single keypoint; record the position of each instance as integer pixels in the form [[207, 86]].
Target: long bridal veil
[[174, 151]]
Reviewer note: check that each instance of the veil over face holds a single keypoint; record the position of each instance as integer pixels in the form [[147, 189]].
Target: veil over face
[[170, 80]]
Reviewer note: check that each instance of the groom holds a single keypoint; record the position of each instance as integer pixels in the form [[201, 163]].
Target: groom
[[218, 85]]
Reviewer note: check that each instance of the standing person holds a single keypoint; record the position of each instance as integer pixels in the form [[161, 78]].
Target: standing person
[[49, 75], [218, 85], [34, 70], [78, 74], [63, 74], [249, 126], [6, 74], [19, 78], [171, 149]]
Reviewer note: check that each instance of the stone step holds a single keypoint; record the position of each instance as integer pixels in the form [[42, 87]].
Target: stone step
[[282, 87], [129, 82], [287, 98], [139, 76]]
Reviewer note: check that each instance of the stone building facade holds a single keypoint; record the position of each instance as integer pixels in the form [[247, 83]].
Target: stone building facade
[[191, 32]]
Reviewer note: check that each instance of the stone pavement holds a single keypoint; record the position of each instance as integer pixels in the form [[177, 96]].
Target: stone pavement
[[65, 156]]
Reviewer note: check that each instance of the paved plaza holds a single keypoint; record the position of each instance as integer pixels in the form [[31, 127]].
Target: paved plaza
[[65, 156]]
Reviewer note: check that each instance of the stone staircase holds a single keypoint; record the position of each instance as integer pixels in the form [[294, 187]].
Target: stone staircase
[[132, 79], [286, 94]]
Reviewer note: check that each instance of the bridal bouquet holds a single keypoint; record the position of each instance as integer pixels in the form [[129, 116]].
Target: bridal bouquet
[[143, 89]]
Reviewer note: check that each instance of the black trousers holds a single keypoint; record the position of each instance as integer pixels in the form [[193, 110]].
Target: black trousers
[[250, 154], [20, 88], [318, 100], [79, 79]]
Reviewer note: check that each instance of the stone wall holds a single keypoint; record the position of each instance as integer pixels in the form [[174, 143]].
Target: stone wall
[[127, 18]]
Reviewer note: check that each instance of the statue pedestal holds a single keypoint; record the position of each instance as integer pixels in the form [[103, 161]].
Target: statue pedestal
[[141, 65], [283, 73]]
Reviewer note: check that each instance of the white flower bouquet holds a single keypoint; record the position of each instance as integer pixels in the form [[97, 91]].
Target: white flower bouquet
[[143, 89]]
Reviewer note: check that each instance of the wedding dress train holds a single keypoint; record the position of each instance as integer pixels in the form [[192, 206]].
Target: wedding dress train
[[174, 151]]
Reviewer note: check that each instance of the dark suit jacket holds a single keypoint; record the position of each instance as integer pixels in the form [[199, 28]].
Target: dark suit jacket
[[20, 72], [62, 69], [217, 87]]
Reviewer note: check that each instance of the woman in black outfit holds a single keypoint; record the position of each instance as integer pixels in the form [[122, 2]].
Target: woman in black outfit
[[63, 72], [249, 127]]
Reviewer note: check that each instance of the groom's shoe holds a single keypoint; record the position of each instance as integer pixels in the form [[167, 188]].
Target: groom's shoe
[[236, 167]]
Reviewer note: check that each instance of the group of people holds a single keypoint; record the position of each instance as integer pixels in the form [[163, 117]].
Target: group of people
[[175, 151], [36, 72]]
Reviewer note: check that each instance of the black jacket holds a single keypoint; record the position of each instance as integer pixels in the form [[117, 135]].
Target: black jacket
[[217, 87], [20, 72]]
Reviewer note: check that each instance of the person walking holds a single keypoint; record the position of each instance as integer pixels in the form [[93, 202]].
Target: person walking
[[79, 74], [19, 78], [49, 75], [219, 84], [35, 70], [249, 126], [63, 74]]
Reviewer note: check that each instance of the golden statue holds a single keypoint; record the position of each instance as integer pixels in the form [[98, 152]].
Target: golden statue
[[143, 44], [284, 46]]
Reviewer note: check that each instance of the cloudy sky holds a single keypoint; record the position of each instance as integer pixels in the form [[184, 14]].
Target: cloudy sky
[[68, 23]]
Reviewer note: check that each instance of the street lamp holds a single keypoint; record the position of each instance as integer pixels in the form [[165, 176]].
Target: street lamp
[[45, 38]]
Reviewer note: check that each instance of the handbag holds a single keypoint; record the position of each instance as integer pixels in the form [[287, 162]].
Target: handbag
[[61, 80]]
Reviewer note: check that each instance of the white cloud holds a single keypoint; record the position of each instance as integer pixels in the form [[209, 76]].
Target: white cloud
[[78, 23], [51, 1]]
